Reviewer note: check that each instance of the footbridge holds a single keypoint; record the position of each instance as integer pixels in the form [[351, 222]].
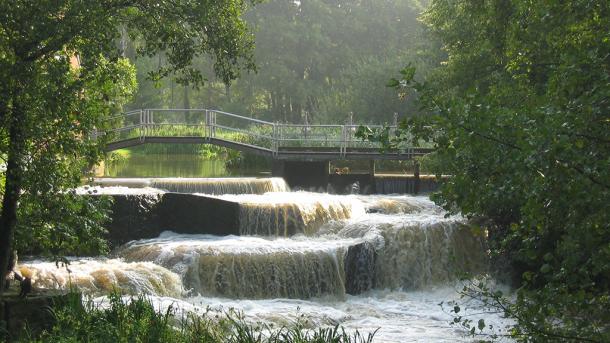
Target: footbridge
[[279, 141]]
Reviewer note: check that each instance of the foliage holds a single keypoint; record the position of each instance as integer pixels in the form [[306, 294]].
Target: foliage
[[316, 59], [136, 320], [518, 114], [63, 73]]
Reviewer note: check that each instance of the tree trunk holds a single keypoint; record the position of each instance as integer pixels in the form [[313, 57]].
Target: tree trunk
[[228, 92], [188, 117], [14, 176]]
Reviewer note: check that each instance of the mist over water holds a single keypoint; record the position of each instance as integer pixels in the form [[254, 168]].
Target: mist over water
[[364, 262]]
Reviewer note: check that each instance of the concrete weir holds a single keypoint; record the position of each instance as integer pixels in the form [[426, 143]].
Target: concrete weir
[[139, 216]]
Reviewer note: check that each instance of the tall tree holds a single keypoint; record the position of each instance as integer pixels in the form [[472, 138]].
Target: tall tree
[[48, 109], [318, 57], [519, 114]]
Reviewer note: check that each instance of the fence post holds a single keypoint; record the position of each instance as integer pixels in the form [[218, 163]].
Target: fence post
[[351, 125], [274, 143], [343, 150], [416, 185], [142, 111], [213, 127], [280, 134], [206, 126], [147, 124]]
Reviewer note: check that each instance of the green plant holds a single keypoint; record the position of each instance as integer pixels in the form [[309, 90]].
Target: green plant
[[136, 320], [62, 75]]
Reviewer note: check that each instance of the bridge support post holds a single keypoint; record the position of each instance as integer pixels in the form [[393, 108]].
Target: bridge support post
[[416, 181], [310, 175]]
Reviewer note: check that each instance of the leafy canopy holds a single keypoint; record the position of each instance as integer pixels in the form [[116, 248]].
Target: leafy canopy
[[518, 113], [63, 74]]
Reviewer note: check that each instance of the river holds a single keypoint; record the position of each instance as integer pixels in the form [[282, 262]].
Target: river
[[365, 262]]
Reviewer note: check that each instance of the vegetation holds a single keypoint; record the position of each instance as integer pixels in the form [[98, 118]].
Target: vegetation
[[137, 320], [518, 113], [317, 60], [62, 74]]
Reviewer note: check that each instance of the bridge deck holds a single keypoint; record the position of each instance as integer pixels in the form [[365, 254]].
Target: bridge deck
[[283, 153], [275, 140]]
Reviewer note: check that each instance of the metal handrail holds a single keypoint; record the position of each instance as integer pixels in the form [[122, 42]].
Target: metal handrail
[[280, 132]]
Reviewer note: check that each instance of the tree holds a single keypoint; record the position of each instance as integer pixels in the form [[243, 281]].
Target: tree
[[316, 57], [48, 109], [518, 114]]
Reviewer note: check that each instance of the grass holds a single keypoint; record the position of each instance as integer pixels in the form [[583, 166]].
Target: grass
[[138, 321]]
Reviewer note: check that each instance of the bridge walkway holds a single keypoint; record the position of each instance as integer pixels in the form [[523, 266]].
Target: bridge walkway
[[280, 141]]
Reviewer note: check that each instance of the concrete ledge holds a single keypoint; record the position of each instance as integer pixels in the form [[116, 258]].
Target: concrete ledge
[[141, 216], [404, 184], [195, 214]]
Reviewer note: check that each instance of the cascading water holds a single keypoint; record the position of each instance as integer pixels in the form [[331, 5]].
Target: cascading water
[[237, 185], [248, 267], [290, 213], [363, 262], [104, 275]]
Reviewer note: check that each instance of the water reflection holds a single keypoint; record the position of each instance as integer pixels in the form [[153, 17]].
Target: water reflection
[[179, 165]]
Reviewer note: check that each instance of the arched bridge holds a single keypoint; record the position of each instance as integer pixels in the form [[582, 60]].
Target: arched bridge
[[279, 141]]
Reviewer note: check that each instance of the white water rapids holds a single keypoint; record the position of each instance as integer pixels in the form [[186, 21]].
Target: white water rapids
[[300, 256]]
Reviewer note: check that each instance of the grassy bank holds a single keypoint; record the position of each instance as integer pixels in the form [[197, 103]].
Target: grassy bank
[[138, 321]]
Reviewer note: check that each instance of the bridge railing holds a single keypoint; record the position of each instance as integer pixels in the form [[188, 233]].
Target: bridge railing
[[235, 128], [245, 130], [123, 126], [160, 122]]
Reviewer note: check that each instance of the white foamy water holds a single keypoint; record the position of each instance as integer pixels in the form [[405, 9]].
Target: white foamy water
[[245, 267], [396, 316], [101, 276], [289, 213], [235, 185], [113, 190], [298, 254], [398, 204], [238, 185]]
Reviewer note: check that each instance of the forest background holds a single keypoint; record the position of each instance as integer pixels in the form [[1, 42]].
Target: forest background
[[317, 62]]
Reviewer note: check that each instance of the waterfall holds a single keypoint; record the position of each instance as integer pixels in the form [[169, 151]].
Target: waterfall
[[99, 277], [361, 261], [416, 253], [248, 267], [217, 186], [287, 214], [241, 185]]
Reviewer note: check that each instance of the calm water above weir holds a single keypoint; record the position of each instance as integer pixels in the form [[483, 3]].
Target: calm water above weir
[[363, 262], [166, 165]]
